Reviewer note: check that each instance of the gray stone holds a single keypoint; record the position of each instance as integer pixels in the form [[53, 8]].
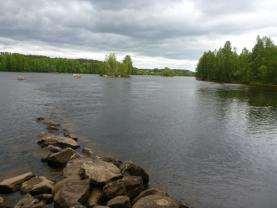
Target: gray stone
[[38, 185], [28, 201], [60, 141], [130, 186], [119, 202], [60, 159], [13, 184], [95, 197], [70, 192], [99, 171], [156, 201], [147, 192], [129, 168]]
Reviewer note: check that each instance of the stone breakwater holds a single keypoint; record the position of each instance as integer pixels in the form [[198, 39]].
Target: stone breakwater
[[87, 180]]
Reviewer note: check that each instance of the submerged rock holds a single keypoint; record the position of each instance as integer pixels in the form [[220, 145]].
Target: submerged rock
[[60, 141], [37, 185], [130, 186], [156, 201], [70, 192], [129, 168], [99, 171], [28, 201], [60, 159], [13, 184], [119, 202]]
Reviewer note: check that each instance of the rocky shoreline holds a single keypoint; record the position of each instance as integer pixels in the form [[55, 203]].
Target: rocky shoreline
[[87, 180]]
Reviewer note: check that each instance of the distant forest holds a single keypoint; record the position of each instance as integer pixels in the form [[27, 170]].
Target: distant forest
[[14, 62], [258, 66]]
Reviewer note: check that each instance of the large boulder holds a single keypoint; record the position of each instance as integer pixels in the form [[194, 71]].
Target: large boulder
[[38, 185], [156, 201], [60, 159], [60, 141], [13, 184], [119, 202], [130, 186], [150, 191], [118, 163], [99, 171], [73, 167], [28, 201], [70, 192], [95, 197], [129, 168]]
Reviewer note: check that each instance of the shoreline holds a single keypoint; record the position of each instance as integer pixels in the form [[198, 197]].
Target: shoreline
[[87, 180]]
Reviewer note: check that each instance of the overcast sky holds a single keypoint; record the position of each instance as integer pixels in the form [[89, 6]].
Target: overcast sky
[[156, 33]]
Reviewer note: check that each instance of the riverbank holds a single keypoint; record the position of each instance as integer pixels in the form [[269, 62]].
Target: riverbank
[[87, 179]]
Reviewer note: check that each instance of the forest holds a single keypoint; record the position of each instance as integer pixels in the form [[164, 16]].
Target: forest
[[14, 62], [258, 66]]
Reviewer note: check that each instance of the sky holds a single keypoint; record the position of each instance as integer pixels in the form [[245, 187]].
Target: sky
[[156, 33]]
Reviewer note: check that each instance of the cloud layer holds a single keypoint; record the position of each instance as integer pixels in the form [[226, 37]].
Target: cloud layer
[[156, 33]]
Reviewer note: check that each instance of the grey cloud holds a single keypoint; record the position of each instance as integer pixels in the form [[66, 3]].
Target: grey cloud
[[164, 28]]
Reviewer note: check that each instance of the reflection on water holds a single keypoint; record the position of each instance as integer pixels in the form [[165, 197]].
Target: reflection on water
[[208, 144]]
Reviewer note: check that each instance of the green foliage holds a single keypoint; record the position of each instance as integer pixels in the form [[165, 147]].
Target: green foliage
[[225, 65], [111, 67]]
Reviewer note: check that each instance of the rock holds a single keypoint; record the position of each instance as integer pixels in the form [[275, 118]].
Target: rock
[[129, 168], [101, 207], [156, 201], [112, 160], [37, 185], [128, 185], [2, 202], [53, 148], [60, 141], [147, 192], [60, 159], [99, 171], [73, 167], [95, 197], [28, 201], [13, 184], [87, 152], [70, 192], [119, 202], [46, 198], [53, 127]]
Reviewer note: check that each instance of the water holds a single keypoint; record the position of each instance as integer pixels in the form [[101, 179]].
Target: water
[[207, 144]]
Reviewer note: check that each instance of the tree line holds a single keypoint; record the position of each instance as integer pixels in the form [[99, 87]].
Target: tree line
[[14, 62], [258, 66]]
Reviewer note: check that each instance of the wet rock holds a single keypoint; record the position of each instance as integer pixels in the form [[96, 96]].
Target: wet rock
[[28, 201], [147, 192], [95, 197], [60, 141], [99, 171], [101, 206], [112, 160], [60, 159], [52, 148], [130, 186], [53, 127], [13, 184], [87, 152], [70, 192], [37, 185], [156, 201], [73, 167], [2, 202], [129, 168], [46, 198], [119, 202]]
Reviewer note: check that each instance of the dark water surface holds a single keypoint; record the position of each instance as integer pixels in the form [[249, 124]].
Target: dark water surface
[[210, 145]]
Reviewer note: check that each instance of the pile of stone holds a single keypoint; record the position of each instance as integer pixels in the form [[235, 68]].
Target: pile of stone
[[88, 180]]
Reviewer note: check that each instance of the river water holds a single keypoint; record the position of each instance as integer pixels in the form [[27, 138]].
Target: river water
[[209, 145]]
